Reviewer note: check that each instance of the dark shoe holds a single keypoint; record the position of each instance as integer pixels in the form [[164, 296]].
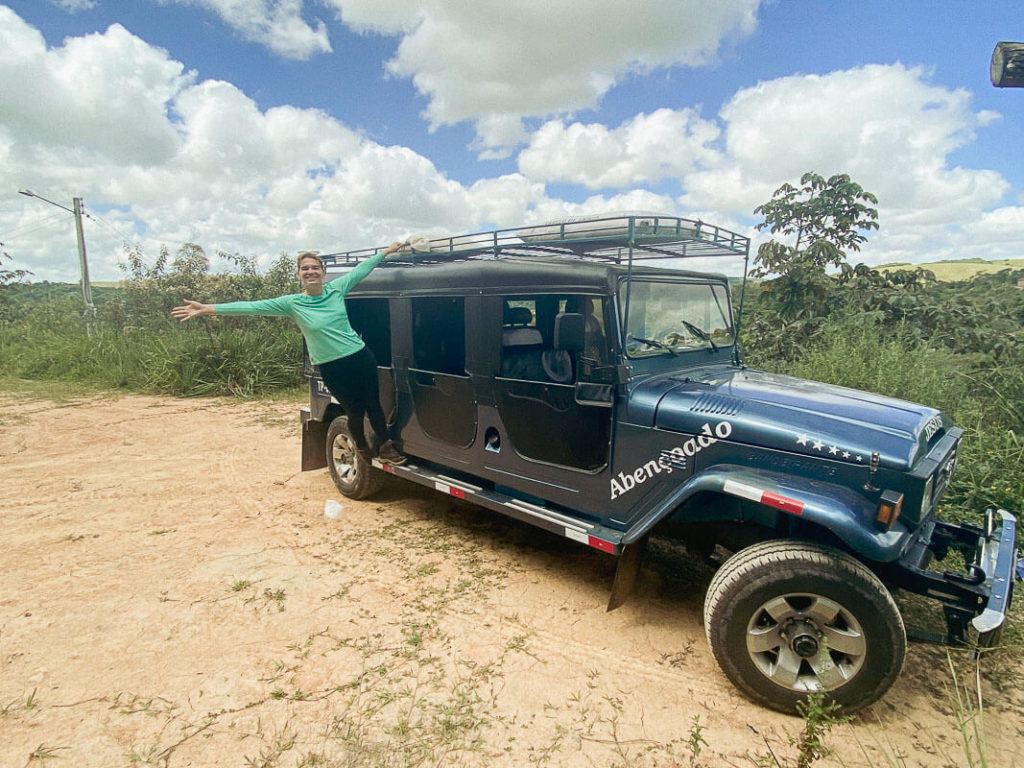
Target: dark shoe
[[390, 454]]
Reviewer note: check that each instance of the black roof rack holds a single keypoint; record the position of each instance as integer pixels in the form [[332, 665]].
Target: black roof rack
[[618, 239]]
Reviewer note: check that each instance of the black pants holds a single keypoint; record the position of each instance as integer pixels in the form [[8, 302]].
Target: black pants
[[353, 382]]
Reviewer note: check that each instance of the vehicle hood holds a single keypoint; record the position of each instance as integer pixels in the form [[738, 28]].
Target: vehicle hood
[[791, 414]]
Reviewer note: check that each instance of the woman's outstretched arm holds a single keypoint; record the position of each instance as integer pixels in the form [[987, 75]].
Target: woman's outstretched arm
[[191, 309], [363, 268]]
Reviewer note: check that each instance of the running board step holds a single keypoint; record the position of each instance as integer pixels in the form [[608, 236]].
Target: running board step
[[596, 536]]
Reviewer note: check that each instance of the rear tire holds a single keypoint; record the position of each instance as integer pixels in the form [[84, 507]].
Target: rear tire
[[785, 619], [353, 475]]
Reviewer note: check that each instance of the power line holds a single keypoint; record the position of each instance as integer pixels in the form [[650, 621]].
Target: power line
[[103, 222], [31, 226]]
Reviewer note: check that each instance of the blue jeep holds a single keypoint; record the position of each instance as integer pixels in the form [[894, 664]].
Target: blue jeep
[[555, 375]]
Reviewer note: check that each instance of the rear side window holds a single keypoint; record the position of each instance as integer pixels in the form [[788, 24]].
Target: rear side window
[[439, 334], [371, 319]]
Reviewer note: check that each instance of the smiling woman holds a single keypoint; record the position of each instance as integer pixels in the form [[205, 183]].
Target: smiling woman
[[347, 366]]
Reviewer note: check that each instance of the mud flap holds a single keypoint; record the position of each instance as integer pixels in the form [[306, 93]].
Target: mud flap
[[314, 442], [626, 571]]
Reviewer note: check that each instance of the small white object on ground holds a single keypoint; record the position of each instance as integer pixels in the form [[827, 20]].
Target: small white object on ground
[[332, 509]]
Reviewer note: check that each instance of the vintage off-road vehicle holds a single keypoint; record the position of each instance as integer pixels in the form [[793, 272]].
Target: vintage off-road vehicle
[[554, 375]]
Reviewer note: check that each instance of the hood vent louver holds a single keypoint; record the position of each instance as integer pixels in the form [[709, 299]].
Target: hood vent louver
[[716, 404]]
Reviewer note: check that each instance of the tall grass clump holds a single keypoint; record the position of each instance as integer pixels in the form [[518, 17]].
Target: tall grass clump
[[131, 342], [859, 354], [983, 396]]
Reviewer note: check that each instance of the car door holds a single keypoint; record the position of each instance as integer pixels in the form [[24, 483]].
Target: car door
[[535, 389], [442, 394]]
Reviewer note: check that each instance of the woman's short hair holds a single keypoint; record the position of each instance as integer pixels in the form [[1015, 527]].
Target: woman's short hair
[[301, 255]]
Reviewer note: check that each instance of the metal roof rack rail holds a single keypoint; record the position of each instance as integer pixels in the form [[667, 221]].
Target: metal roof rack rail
[[617, 239]]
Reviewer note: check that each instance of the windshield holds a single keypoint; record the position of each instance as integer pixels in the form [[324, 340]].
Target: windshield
[[668, 318]]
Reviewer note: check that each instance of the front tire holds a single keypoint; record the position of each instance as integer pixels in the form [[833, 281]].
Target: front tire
[[785, 619], [353, 475]]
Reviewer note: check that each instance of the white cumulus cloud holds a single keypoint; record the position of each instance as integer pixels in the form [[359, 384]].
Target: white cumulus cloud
[[98, 96], [493, 62], [646, 149], [163, 158], [73, 6], [887, 126], [277, 24]]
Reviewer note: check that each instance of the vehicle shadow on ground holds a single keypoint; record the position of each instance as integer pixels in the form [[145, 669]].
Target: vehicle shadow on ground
[[670, 575]]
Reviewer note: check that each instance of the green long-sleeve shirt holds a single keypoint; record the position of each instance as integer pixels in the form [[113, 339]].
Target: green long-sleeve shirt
[[322, 319]]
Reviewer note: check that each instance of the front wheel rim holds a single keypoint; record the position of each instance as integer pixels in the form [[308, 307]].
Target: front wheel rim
[[806, 642], [343, 456]]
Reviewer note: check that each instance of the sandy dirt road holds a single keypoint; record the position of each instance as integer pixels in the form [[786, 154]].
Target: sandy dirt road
[[172, 595]]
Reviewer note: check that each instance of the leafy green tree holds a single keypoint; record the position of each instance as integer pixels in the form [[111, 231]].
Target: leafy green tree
[[827, 217], [10, 276]]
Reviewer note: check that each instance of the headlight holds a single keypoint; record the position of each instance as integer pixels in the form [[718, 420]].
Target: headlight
[[926, 499]]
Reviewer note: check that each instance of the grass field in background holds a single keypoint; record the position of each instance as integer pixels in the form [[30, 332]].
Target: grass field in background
[[952, 271]]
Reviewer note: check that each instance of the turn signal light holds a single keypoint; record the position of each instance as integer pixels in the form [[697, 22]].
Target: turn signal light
[[889, 508]]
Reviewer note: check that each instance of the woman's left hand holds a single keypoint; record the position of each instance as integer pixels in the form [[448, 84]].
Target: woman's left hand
[[191, 309]]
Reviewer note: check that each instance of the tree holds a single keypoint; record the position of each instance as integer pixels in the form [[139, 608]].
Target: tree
[[10, 276], [826, 217]]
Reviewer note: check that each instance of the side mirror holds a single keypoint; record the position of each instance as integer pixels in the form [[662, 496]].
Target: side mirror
[[570, 330]]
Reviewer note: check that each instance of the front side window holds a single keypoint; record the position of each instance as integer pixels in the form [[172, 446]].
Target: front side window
[[668, 318], [528, 345]]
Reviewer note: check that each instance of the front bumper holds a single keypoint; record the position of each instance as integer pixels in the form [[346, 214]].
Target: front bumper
[[974, 601], [998, 560]]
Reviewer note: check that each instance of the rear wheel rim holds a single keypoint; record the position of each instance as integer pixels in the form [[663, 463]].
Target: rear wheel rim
[[806, 642], [343, 456]]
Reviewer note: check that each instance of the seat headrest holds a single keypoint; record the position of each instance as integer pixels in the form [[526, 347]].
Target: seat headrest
[[518, 316]]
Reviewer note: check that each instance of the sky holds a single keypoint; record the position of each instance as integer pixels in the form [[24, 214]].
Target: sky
[[262, 127]]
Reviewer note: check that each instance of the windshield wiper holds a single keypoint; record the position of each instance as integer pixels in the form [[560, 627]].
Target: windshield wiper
[[653, 343], [701, 334]]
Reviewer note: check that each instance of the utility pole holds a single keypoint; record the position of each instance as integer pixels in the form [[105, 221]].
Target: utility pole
[[83, 262]]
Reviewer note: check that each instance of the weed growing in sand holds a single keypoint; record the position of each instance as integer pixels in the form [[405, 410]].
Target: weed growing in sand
[[14, 706], [820, 717], [275, 595], [968, 711], [269, 598], [678, 659], [695, 741], [404, 709], [271, 754], [44, 752]]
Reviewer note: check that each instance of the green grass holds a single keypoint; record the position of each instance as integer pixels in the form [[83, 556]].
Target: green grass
[[982, 398]]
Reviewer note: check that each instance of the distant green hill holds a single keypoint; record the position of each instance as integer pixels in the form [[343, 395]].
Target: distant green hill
[[101, 292], [959, 270]]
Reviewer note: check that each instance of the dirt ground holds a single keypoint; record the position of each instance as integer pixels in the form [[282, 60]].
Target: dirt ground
[[173, 595]]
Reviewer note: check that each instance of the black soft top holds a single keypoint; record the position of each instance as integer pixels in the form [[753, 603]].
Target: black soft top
[[510, 274]]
